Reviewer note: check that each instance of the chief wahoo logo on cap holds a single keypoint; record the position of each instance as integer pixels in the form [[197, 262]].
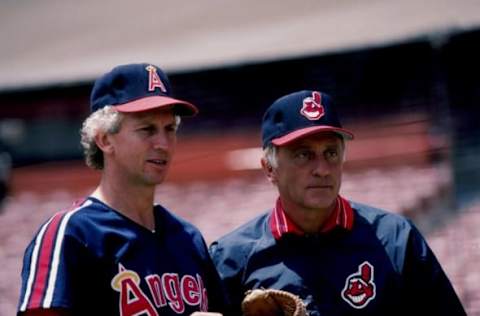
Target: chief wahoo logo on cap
[[312, 107]]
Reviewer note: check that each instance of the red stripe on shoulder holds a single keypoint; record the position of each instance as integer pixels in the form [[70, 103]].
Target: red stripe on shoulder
[[44, 261], [45, 256]]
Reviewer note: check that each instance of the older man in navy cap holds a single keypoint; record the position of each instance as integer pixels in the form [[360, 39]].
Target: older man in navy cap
[[339, 257], [115, 252]]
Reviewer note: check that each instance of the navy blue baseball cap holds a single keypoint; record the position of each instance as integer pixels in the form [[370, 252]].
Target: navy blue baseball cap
[[136, 88], [300, 114]]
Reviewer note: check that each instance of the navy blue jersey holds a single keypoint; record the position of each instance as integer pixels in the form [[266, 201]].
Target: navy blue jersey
[[381, 266], [93, 260]]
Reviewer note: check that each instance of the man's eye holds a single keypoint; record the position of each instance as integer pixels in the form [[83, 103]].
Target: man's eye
[[147, 129], [304, 156], [331, 154], [171, 128]]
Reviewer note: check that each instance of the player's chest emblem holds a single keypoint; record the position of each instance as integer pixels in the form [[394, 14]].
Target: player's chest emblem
[[312, 107], [169, 290], [359, 287]]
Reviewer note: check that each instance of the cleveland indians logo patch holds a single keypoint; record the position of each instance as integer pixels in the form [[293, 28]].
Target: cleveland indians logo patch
[[312, 107], [154, 80], [359, 287]]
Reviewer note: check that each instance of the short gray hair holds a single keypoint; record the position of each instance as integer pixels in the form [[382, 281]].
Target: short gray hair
[[270, 155], [107, 120]]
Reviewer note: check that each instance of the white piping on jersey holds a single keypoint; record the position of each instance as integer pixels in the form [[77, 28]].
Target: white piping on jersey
[[285, 222], [56, 255], [278, 224], [55, 261], [33, 265]]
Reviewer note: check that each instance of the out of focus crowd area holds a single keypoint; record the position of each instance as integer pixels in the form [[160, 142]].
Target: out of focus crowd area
[[211, 186]]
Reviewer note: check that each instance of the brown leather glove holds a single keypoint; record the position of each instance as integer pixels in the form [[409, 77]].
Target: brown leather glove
[[270, 302]]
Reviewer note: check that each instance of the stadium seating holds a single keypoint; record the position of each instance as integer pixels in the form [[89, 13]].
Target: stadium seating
[[217, 207]]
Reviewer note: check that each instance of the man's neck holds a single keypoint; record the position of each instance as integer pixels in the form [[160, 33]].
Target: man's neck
[[134, 202], [308, 220]]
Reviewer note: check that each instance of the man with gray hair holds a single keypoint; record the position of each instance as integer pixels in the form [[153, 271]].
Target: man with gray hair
[[339, 257], [115, 252]]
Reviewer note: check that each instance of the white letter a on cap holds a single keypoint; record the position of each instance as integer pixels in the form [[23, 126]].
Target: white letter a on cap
[[154, 80]]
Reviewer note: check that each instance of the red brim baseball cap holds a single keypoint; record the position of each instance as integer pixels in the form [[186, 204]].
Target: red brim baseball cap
[[298, 115], [136, 88], [290, 137], [180, 107]]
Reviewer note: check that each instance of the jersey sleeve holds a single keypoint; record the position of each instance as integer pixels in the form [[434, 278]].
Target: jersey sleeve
[[427, 287], [230, 271], [217, 300], [51, 267]]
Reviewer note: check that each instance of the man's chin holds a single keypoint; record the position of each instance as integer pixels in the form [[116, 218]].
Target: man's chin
[[155, 181], [323, 204]]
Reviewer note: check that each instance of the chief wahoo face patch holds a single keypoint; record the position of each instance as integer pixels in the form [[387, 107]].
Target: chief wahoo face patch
[[312, 107], [359, 287]]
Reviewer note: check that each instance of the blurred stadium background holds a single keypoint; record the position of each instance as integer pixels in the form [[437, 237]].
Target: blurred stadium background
[[405, 75]]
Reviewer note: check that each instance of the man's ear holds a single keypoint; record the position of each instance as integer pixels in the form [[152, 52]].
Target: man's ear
[[104, 142], [269, 171]]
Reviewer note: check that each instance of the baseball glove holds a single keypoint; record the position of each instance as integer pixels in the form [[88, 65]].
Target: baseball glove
[[270, 302]]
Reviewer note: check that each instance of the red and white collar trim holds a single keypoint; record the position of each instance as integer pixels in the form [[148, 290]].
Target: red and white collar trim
[[342, 216]]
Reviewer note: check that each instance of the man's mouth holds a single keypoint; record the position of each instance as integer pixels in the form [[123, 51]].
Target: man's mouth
[[160, 162], [319, 186]]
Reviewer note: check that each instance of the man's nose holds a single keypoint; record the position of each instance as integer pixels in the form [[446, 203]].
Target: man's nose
[[161, 140], [321, 167]]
